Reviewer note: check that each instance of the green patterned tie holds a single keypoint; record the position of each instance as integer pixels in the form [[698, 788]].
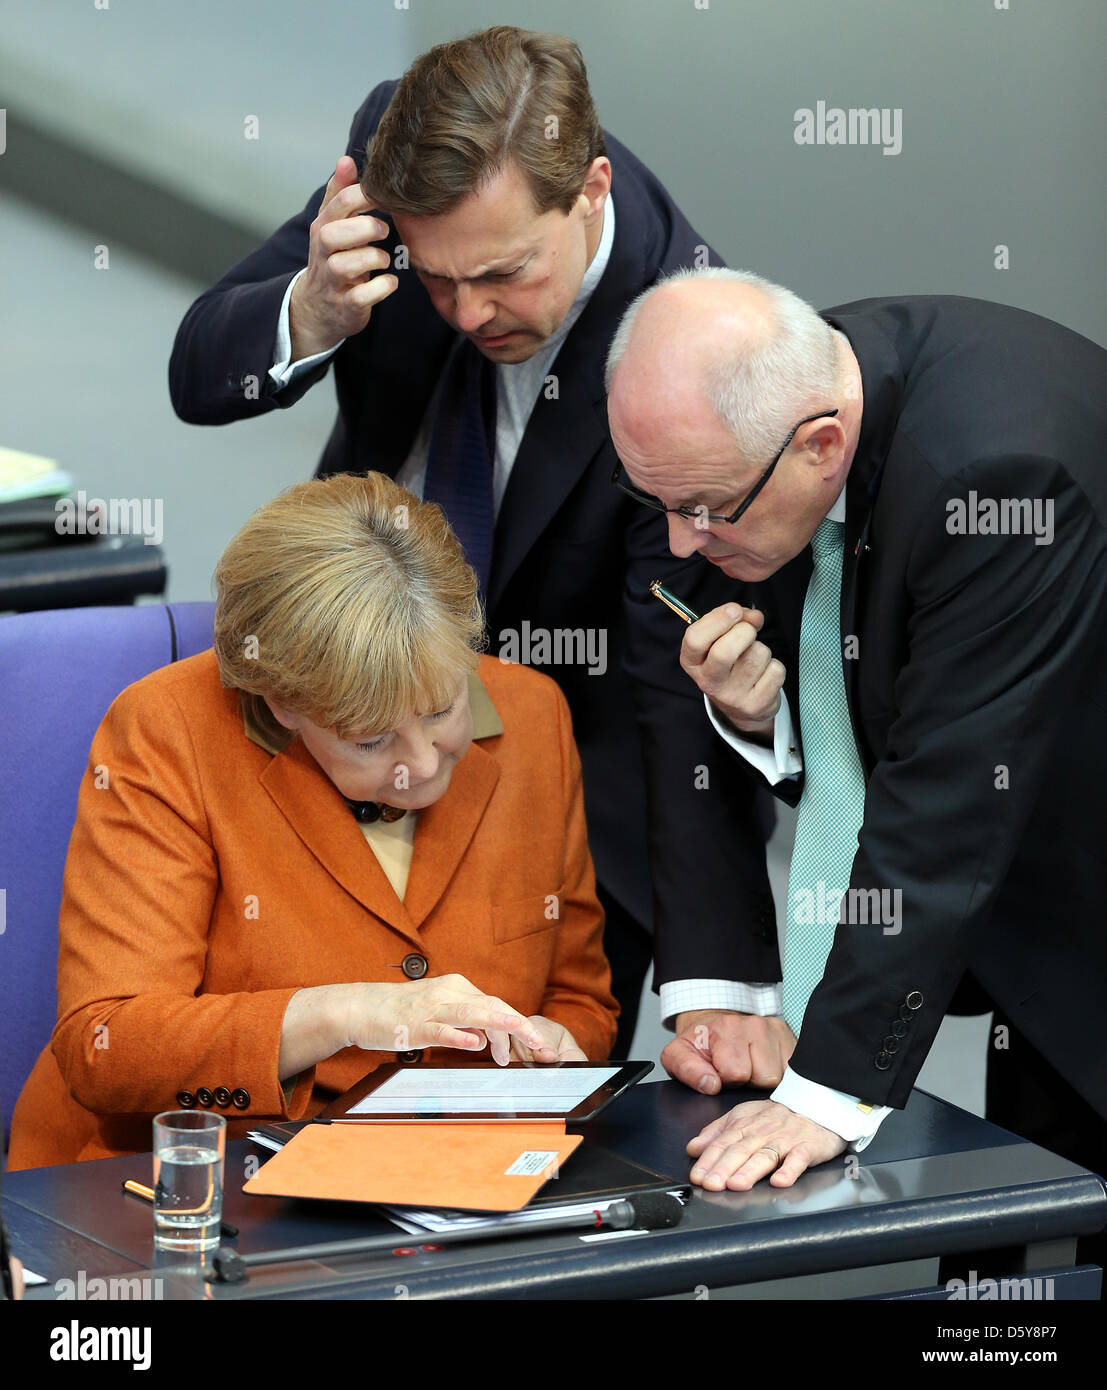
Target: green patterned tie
[[832, 806]]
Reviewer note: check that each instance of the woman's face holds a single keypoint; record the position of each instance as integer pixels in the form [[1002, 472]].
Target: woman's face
[[409, 766]]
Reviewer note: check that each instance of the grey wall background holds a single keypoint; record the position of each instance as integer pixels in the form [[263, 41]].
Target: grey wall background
[[126, 127]]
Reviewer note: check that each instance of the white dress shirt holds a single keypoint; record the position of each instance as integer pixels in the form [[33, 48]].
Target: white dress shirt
[[517, 383], [834, 1110]]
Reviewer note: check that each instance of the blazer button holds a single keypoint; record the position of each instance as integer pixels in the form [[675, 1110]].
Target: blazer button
[[222, 1095], [186, 1100], [905, 1013], [240, 1098], [882, 1061], [414, 966], [204, 1097], [899, 1028], [914, 1000], [414, 1055], [891, 1044]]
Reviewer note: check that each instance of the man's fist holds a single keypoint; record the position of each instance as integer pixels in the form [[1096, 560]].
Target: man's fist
[[715, 1046], [737, 673], [335, 296]]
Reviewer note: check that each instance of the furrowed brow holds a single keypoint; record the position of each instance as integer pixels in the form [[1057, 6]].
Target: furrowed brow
[[492, 268]]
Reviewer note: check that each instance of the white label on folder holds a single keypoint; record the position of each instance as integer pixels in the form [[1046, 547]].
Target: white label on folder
[[532, 1162]]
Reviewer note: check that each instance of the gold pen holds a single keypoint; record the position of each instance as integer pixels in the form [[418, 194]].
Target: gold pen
[[671, 601]]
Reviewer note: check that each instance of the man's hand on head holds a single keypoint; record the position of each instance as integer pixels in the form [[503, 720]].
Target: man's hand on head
[[335, 296]]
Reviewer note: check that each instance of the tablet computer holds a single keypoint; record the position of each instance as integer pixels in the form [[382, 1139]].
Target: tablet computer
[[571, 1092]]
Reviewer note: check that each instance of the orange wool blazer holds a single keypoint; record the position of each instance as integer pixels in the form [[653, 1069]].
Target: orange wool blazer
[[212, 877]]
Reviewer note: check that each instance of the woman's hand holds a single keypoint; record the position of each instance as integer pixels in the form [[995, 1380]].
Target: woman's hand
[[561, 1046], [440, 1011]]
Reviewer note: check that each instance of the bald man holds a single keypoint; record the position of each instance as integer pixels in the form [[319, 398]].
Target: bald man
[[909, 498]]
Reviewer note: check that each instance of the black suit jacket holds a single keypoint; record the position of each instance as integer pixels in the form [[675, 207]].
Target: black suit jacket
[[571, 551], [977, 695]]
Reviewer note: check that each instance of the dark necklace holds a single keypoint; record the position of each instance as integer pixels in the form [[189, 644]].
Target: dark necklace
[[369, 811]]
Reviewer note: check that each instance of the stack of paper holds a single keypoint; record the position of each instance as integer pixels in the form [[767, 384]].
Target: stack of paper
[[28, 475]]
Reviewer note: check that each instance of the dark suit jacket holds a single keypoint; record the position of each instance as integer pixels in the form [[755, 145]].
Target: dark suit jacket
[[977, 696], [571, 551]]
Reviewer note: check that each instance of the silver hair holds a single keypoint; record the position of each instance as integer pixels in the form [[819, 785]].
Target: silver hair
[[795, 370]]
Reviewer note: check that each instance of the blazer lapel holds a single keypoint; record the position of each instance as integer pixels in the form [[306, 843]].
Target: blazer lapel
[[781, 599], [445, 830], [562, 438], [317, 812], [882, 387], [854, 571], [564, 434]]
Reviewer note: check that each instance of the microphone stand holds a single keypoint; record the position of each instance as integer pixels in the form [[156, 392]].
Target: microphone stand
[[654, 1211]]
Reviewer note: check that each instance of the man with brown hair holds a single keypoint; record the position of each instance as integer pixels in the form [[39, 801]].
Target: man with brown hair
[[464, 271]]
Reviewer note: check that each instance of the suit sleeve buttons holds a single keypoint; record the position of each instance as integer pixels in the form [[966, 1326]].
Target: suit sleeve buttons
[[204, 1097], [914, 1000], [222, 1096], [186, 1100], [882, 1061], [414, 1054], [240, 1098]]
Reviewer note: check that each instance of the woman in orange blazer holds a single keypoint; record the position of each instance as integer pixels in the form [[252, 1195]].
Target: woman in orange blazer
[[338, 837]]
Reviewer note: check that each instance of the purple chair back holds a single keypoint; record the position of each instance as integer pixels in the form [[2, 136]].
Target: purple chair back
[[59, 672]]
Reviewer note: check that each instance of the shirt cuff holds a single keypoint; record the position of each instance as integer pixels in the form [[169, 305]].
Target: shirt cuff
[[680, 996], [843, 1114], [775, 763], [284, 369]]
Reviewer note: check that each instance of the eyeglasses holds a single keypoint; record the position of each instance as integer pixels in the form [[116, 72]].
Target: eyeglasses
[[696, 513]]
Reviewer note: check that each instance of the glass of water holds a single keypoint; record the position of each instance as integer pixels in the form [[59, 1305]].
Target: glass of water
[[189, 1148]]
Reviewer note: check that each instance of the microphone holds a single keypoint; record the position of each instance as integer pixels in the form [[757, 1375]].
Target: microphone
[[655, 1211], [652, 1211]]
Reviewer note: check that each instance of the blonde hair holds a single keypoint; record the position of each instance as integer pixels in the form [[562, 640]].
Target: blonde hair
[[349, 601]]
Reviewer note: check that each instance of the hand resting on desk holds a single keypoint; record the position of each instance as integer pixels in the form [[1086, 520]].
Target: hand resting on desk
[[715, 1046], [755, 1140]]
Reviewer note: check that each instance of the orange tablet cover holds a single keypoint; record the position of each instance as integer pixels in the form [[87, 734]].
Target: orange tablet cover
[[474, 1166]]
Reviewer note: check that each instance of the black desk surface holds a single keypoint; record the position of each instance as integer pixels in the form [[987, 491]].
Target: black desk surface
[[935, 1180]]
